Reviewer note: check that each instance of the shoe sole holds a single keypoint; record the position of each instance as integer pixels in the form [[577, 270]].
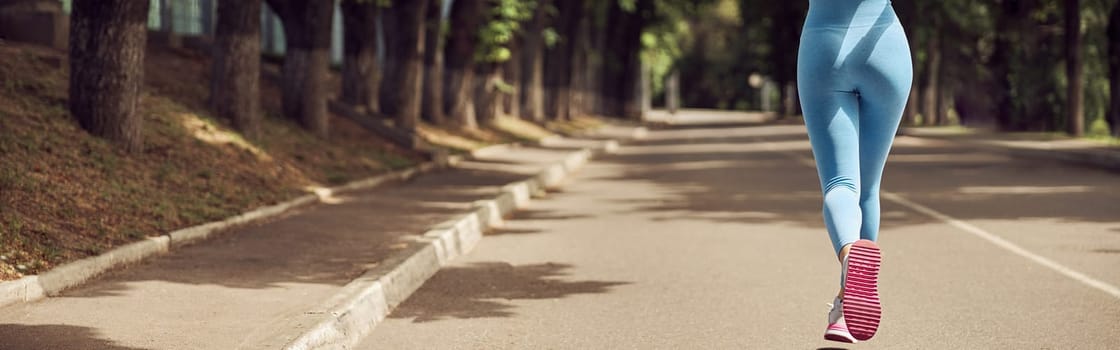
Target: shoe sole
[[861, 290], [839, 337]]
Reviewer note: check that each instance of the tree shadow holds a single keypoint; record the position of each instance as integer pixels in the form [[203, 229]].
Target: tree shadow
[[38, 337], [754, 181], [532, 214], [482, 290], [503, 231]]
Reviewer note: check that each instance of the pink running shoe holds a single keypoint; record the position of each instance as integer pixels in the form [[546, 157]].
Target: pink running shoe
[[861, 290], [837, 330]]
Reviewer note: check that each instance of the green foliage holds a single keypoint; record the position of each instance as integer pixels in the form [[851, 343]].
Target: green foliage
[[504, 20]]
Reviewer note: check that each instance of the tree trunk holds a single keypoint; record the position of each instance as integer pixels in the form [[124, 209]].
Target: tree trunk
[[1074, 67], [785, 37], [486, 94], [621, 64], [307, 33], [206, 17], [431, 105], [404, 65], [1002, 55], [560, 60], [511, 74], [107, 41], [166, 16], [580, 51], [1114, 69], [908, 14], [532, 74], [466, 18], [235, 80], [930, 100], [360, 74]]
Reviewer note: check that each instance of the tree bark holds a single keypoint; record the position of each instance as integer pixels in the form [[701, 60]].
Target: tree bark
[[560, 60], [784, 42], [404, 65], [307, 33], [235, 79], [532, 76], [1006, 14], [931, 102], [1114, 69], [466, 17], [361, 75], [486, 94], [621, 64], [511, 74], [580, 51], [107, 41], [1075, 104], [431, 105]]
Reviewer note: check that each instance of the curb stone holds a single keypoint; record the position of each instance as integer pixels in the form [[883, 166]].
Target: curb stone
[[58, 279], [366, 301]]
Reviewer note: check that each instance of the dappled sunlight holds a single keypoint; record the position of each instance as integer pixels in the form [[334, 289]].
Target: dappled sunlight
[[946, 157], [1024, 189], [727, 132], [520, 128], [206, 131], [734, 148], [501, 167]]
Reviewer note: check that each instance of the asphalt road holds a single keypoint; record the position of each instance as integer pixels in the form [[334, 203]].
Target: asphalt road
[[703, 237]]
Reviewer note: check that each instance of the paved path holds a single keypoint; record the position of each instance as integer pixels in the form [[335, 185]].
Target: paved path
[[245, 290], [711, 238]]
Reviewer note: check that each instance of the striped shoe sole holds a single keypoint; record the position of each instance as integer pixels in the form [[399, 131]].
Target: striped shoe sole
[[861, 290]]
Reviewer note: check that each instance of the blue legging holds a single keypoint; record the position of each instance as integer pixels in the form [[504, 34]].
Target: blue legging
[[853, 77]]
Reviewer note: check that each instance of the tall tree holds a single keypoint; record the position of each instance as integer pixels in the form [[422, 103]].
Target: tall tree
[[532, 65], [1006, 15], [511, 73], [360, 72], [404, 54], [503, 21], [581, 47], [234, 82], [931, 89], [466, 19], [107, 67], [307, 33], [431, 105], [621, 66], [560, 58], [1075, 104], [1114, 69]]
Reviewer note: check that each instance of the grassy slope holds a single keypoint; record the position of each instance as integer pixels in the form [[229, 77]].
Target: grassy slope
[[66, 195]]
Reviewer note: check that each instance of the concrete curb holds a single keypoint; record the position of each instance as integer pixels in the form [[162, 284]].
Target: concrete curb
[[367, 300], [1105, 160], [53, 282]]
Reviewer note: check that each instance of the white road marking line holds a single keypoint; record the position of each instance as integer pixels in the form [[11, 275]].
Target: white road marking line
[[1003, 243], [988, 236]]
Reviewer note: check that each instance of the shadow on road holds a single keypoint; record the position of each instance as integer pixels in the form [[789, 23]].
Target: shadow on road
[[478, 291], [747, 175], [38, 337]]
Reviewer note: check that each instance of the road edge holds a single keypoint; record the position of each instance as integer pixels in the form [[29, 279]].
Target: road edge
[[52, 282], [366, 301]]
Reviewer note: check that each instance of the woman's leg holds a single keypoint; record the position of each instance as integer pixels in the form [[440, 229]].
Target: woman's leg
[[884, 88], [832, 119]]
